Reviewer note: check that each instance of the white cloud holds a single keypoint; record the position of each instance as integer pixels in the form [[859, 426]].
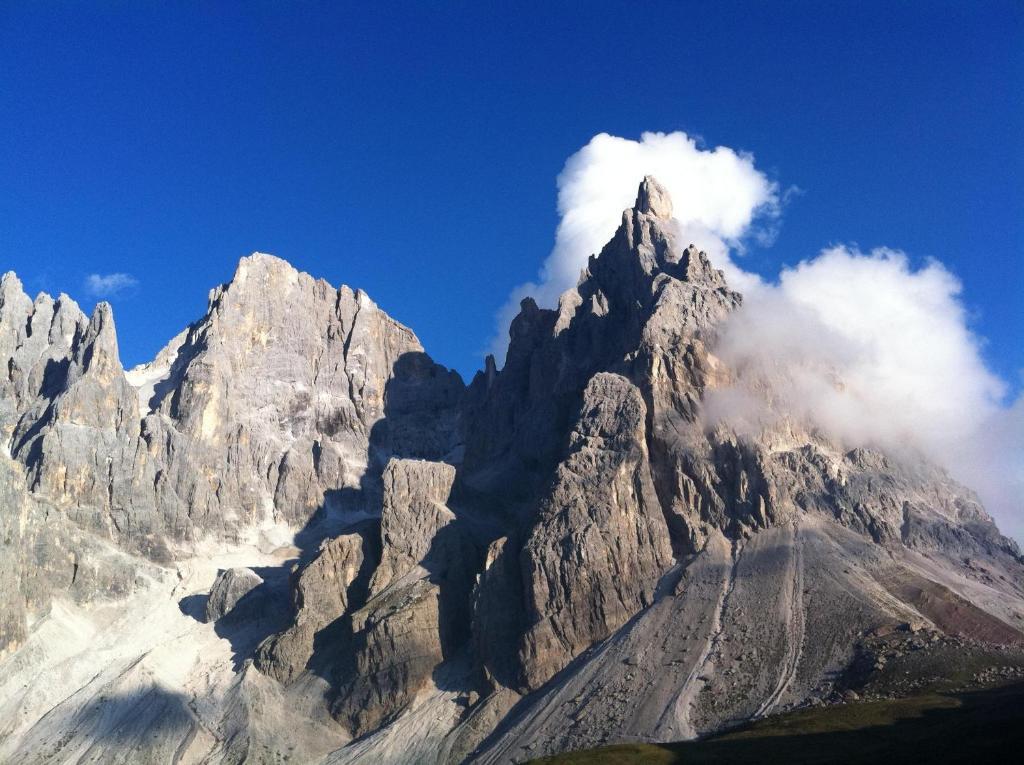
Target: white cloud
[[717, 194], [877, 353], [108, 285], [992, 463]]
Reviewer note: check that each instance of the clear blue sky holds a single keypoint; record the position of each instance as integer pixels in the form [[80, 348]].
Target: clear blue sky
[[413, 153]]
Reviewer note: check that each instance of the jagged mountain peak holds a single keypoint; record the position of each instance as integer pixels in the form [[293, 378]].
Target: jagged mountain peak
[[10, 284], [631, 269], [262, 263], [293, 292], [652, 198], [98, 348], [102, 317], [260, 277]]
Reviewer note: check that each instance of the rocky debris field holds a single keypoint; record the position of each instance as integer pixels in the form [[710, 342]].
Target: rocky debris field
[[909, 661]]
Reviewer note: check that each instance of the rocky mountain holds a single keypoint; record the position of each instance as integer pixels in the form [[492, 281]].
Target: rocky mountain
[[293, 536]]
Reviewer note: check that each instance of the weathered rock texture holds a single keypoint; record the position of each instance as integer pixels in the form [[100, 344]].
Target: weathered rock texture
[[322, 593], [759, 616], [274, 405], [229, 589], [45, 555], [599, 543], [417, 612], [567, 552]]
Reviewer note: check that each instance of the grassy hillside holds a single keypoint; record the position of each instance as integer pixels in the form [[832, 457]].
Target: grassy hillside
[[978, 726]]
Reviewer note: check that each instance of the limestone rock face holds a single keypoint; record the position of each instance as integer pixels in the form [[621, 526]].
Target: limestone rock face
[[637, 329], [417, 612], [45, 555], [286, 398], [323, 591], [36, 341], [84, 451], [646, 314], [69, 416], [600, 542], [414, 511], [497, 627], [645, 308], [230, 587], [292, 400], [653, 199], [283, 402], [13, 613]]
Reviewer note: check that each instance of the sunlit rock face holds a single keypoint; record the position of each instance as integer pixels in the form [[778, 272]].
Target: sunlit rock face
[[272, 406], [340, 553]]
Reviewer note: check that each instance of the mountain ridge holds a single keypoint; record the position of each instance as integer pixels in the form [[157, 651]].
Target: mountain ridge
[[443, 572]]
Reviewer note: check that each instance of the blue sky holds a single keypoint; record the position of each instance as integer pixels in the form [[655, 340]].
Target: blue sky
[[413, 152]]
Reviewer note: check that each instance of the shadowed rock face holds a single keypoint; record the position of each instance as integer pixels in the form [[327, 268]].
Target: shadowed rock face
[[417, 612], [228, 590], [561, 554], [759, 523], [322, 593]]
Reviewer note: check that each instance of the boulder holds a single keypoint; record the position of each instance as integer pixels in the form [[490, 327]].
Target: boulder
[[229, 589]]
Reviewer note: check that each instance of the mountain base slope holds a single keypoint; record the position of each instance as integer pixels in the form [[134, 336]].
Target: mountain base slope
[[974, 726]]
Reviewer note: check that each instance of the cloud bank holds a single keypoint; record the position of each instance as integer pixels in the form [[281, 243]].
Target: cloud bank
[[108, 285], [866, 347], [717, 193], [877, 353]]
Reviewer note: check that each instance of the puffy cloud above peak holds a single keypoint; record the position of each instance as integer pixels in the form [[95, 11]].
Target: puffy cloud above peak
[[717, 189]]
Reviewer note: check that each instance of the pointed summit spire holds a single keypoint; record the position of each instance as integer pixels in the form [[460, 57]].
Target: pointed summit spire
[[98, 349], [653, 198]]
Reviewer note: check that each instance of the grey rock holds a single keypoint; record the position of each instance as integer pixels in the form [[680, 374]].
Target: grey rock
[[228, 590], [414, 511], [286, 398], [750, 627], [310, 377], [84, 453], [44, 554], [396, 647], [648, 309], [36, 341], [497, 627], [568, 552], [599, 543], [418, 610], [653, 199], [322, 593]]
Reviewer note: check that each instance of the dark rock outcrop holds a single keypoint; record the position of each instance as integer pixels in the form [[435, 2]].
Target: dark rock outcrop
[[323, 592], [229, 589]]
